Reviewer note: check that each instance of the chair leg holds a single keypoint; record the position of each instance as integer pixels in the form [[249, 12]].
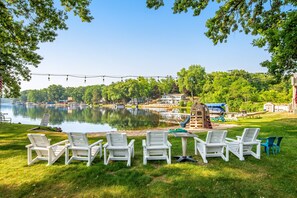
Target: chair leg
[[105, 161], [258, 151], [241, 152], [227, 154], [195, 147], [66, 156], [89, 157], [144, 156], [129, 157], [169, 156], [29, 151], [100, 150], [49, 158]]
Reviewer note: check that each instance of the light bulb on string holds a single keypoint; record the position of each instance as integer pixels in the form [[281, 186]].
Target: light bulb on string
[[67, 78], [49, 77], [85, 79]]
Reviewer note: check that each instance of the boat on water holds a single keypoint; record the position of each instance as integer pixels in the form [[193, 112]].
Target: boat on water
[[119, 106]]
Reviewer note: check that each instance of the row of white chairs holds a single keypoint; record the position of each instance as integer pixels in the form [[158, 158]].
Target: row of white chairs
[[155, 147], [218, 145]]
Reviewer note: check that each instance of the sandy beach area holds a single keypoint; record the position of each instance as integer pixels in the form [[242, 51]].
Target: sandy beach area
[[216, 126]]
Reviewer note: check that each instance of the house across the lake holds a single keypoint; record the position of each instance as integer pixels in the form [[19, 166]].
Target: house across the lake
[[172, 98]]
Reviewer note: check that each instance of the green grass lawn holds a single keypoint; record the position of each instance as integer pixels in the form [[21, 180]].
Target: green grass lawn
[[272, 176]]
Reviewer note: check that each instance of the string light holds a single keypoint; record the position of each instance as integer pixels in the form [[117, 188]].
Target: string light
[[101, 76]]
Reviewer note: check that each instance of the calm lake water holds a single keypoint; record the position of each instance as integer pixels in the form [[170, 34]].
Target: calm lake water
[[87, 119]]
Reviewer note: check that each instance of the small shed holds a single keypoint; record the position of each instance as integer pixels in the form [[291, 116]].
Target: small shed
[[269, 107]]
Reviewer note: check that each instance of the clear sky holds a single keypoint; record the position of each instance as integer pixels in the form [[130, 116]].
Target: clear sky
[[126, 38]]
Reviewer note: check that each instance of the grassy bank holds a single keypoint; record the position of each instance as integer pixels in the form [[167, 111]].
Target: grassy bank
[[271, 176]]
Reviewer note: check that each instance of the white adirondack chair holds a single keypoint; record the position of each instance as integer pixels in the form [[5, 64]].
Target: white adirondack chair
[[81, 149], [41, 145], [155, 147], [118, 148], [244, 144], [214, 145]]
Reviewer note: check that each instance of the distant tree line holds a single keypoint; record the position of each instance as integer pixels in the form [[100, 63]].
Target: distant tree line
[[239, 89]]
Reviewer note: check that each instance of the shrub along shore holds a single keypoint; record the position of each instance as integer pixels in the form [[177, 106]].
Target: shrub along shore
[[273, 175]]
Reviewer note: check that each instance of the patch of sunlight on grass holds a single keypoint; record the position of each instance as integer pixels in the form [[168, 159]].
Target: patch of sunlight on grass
[[162, 178], [237, 173], [14, 170], [106, 191], [193, 171]]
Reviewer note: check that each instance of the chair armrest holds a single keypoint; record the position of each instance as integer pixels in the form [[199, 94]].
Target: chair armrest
[[41, 148], [29, 145], [199, 140], [131, 143], [215, 144], [168, 143], [238, 137], [252, 143], [261, 139], [95, 143], [105, 145], [58, 143], [230, 139], [143, 143]]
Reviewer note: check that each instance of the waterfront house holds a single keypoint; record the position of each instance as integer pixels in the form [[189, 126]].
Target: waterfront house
[[172, 98]]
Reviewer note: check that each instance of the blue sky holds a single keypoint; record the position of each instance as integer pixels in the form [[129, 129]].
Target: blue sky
[[126, 38]]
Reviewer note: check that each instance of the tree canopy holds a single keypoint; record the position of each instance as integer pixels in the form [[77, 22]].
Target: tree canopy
[[24, 24], [239, 89], [274, 22]]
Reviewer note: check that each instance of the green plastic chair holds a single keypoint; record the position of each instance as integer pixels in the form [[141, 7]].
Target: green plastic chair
[[269, 144], [277, 144]]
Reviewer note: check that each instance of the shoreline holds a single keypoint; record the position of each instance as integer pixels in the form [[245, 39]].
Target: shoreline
[[142, 132]]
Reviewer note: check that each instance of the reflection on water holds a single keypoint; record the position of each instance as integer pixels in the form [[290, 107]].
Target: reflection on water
[[86, 120]]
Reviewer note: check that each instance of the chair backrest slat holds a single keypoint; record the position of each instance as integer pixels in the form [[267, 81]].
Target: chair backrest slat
[[270, 141], [156, 138], [250, 134], [78, 139], [216, 136], [117, 139], [279, 139], [39, 140]]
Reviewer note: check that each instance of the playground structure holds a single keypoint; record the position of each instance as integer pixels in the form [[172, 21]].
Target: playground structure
[[199, 116], [294, 99]]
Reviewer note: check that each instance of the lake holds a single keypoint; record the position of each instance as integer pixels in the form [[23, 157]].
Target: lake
[[86, 119]]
